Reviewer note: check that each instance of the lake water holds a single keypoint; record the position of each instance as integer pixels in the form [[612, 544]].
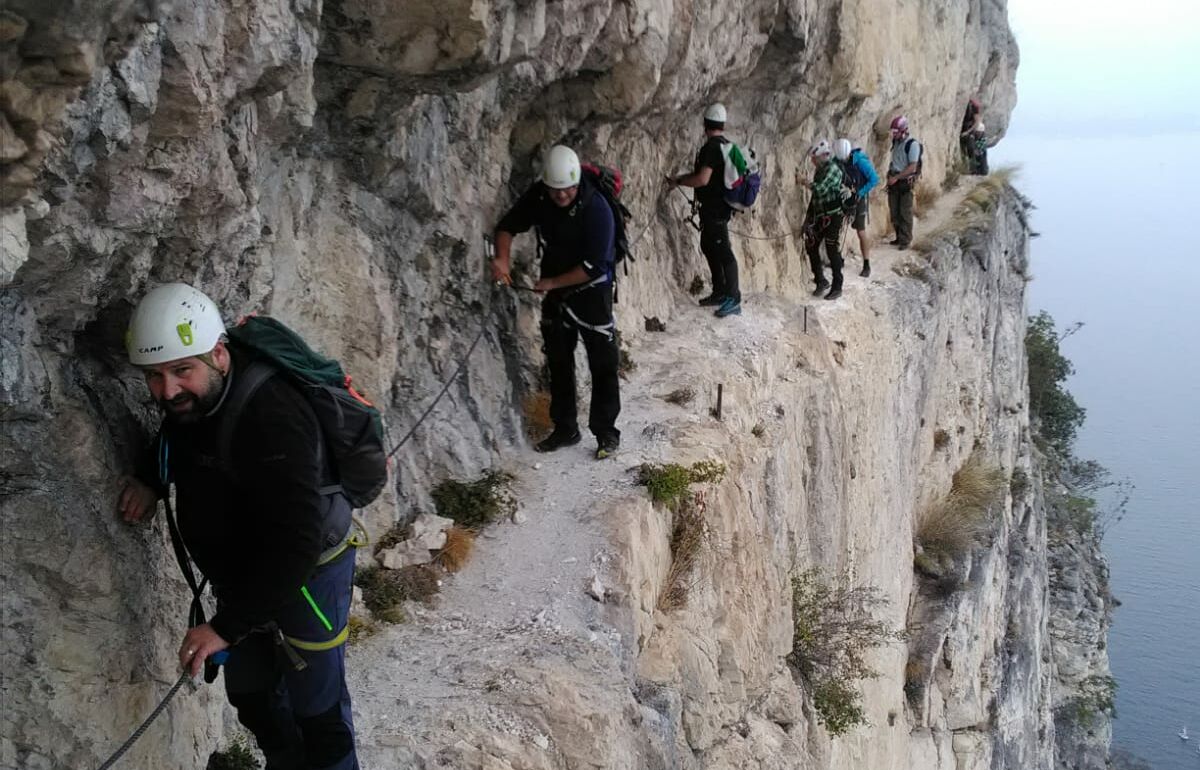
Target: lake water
[[1120, 251]]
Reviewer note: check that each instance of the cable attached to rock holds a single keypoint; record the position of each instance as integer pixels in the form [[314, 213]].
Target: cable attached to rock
[[162, 704]]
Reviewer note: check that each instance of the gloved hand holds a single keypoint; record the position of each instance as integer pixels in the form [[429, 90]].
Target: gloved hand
[[850, 203]]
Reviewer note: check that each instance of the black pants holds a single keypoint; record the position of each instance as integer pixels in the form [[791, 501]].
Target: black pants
[[714, 244], [900, 204], [826, 230], [562, 326]]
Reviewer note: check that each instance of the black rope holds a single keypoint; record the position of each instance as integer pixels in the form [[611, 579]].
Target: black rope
[[162, 704], [483, 327]]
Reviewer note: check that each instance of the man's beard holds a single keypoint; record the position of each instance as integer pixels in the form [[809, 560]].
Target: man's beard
[[197, 406]]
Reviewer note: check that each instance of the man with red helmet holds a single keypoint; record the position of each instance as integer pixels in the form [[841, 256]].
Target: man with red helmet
[[903, 172]]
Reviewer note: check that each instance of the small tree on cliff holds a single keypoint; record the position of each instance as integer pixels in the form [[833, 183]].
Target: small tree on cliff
[[1056, 414], [834, 631]]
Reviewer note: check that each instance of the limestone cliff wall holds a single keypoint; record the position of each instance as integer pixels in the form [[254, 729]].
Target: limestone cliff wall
[[335, 164]]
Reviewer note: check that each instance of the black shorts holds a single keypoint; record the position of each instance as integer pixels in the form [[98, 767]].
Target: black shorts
[[860, 215]]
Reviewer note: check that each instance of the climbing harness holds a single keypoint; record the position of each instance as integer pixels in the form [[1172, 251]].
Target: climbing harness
[[693, 219]]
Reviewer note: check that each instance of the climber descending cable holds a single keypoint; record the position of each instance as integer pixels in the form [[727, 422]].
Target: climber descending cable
[[708, 177], [823, 220], [576, 228], [269, 449], [860, 178]]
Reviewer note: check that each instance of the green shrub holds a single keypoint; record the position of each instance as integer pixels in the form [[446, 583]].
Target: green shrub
[[385, 589], [833, 631], [1054, 411], [669, 483], [475, 503], [1019, 483], [839, 706], [1096, 695]]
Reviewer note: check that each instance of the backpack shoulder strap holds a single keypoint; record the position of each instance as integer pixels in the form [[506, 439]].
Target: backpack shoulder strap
[[245, 385]]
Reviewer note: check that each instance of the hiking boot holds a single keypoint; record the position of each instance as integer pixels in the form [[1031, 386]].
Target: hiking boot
[[834, 293], [866, 271], [557, 440], [606, 446], [894, 241], [712, 300], [902, 246], [729, 307], [821, 287]]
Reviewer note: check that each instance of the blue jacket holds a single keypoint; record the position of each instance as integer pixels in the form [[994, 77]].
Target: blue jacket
[[863, 164]]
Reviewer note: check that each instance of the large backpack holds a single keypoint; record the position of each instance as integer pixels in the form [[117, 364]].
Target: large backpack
[[920, 161], [351, 427], [609, 182], [743, 175]]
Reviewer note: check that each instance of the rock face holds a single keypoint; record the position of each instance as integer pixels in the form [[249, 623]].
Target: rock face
[[335, 164]]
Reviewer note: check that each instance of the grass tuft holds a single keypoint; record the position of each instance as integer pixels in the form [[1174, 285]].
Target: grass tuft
[[668, 484], [384, 589], [473, 504], [536, 409], [925, 197], [953, 525], [696, 286], [360, 628], [941, 439], [453, 556], [688, 533], [973, 213]]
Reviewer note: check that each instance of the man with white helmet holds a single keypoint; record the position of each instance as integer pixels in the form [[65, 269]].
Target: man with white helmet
[[257, 516], [577, 230], [861, 178], [823, 220], [708, 179], [903, 172]]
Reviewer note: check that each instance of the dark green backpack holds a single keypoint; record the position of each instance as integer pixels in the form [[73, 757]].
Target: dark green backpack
[[351, 425]]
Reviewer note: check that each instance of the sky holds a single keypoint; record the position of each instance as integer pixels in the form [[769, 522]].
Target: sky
[[1107, 134], [1100, 67]]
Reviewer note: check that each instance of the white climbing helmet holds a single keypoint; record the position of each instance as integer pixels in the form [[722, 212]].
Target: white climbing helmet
[[821, 149], [841, 148], [562, 168], [172, 321], [715, 113]]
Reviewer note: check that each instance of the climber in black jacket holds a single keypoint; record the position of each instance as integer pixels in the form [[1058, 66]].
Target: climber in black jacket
[[272, 542]]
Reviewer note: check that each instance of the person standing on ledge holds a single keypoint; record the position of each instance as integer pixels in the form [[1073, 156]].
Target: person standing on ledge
[[578, 230], [860, 178], [823, 221], [708, 179], [903, 172]]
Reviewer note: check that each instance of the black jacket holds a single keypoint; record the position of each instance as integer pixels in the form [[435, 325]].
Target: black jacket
[[580, 234], [257, 537]]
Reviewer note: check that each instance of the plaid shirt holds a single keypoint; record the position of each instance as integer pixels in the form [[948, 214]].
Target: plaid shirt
[[827, 189]]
